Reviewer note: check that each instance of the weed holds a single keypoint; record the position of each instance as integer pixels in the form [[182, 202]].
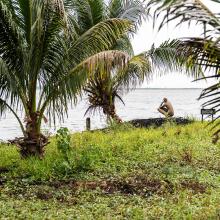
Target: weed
[[63, 139]]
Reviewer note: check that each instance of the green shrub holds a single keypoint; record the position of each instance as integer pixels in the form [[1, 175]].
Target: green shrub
[[63, 140]]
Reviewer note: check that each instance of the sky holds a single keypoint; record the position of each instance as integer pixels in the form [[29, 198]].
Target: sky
[[146, 36]]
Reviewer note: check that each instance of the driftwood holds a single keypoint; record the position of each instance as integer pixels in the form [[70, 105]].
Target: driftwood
[[157, 122]]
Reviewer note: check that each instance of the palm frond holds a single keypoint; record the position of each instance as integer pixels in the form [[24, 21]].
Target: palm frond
[[11, 39], [124, 44], [173, 56], [98, 10], [100, 37], [10, 93], [5, 106], [206, 52], [89, 13], [10, 88], [138, 69], [24, 13], [132, 10], [187, 11]]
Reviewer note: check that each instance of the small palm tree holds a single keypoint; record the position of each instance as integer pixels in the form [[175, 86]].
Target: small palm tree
[[45, 61], [108, 85], [203, 51]]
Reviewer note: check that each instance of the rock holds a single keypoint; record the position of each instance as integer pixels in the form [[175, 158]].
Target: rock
[[157, 122]]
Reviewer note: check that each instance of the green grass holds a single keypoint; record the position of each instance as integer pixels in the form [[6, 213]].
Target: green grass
[[172, 172]]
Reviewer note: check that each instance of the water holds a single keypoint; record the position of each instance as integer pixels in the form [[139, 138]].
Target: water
[[140, 103]]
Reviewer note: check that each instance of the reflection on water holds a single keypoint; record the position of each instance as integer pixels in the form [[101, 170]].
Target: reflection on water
[[140, 103]]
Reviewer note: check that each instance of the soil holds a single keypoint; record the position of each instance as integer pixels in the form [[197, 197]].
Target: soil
[[136, 185], [194, 186]]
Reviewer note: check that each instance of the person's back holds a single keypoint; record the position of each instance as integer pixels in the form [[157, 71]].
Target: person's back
[[169, 107]]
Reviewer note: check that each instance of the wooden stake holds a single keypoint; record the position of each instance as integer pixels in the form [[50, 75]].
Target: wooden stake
[[88, 124]]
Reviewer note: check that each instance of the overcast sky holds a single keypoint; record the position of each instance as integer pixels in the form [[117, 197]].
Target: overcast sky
[[146, 36]]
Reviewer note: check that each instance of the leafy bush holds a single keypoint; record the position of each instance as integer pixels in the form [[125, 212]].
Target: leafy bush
[[63, 139]]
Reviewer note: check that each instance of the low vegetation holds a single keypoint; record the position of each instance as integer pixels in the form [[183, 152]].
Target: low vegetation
[[172, 172]]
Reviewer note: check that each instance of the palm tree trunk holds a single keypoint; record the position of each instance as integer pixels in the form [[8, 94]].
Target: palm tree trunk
[[111, 113], [34, 142]]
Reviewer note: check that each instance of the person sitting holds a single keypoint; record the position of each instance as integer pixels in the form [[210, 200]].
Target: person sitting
[[166, 108]]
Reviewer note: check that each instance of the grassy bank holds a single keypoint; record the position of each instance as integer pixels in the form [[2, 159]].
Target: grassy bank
[[172, 172]]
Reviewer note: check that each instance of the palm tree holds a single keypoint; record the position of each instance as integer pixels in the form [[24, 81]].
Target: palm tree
[[203, 51], [45, 61], [102, 89], [105, 87]]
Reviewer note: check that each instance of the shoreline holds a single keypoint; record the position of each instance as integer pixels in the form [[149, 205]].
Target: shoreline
[[137, 123]]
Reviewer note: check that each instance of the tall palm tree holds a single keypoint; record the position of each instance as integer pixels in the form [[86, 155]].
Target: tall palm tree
[[204, 51], [45, 61]]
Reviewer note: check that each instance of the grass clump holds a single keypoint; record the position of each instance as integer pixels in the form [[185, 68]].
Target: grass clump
[[172, 172]]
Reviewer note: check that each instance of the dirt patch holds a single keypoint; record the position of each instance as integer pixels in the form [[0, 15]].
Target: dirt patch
[[139, 185], [131, 186], [195, 186], [143, 187], [44, 195], [68, 191]]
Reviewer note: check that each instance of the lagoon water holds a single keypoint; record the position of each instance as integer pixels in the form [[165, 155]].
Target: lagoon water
[[140, 103]]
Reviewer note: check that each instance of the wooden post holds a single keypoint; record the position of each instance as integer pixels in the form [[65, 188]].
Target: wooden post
[[88, 124]]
